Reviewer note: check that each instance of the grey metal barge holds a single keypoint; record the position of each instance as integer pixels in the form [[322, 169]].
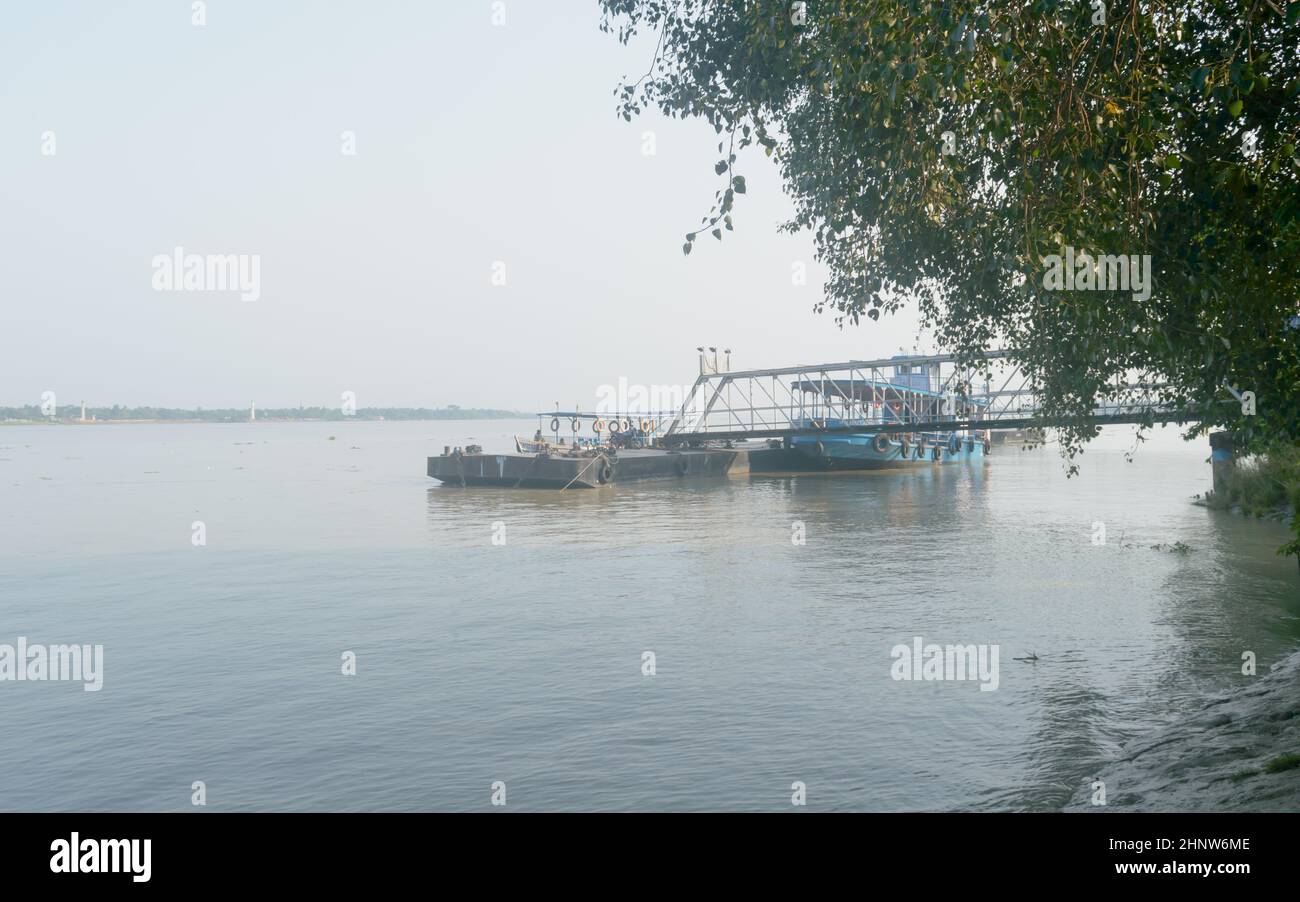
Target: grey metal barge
[[580, 471]]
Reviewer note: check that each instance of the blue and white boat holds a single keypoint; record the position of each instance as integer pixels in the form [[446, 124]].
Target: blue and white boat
[[911, 395]]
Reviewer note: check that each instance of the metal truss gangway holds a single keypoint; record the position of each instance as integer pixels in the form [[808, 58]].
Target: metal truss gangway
[[918, 393]]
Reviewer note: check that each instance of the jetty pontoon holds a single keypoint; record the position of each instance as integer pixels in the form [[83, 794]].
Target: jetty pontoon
[[620, 448], [855, 423]]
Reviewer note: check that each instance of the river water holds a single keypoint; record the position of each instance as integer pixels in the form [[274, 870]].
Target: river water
[[524, 662]]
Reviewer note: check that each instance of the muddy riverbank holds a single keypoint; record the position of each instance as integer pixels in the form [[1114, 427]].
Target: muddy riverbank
[[1239, 752]]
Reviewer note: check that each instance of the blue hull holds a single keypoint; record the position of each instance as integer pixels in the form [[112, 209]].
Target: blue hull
[[865, 452]]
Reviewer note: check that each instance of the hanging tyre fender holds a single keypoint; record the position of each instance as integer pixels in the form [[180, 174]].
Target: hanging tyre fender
[[880, 443], [682, 465], [820, 448], [555, 424], [605, 471], [576, 425], [954, 444], [904, 448]]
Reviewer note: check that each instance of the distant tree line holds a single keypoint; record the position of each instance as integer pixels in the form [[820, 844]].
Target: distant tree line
[[239, 415]]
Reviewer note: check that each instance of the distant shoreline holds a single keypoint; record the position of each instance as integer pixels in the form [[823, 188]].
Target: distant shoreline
[[98, 416], [178, 422]]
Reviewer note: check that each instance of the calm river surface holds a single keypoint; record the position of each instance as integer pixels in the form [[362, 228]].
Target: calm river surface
[[522, 662]]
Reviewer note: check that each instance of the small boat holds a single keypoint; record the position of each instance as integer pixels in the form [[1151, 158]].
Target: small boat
[[539, 445], [911, 395], [1019, 437], [530, 446]]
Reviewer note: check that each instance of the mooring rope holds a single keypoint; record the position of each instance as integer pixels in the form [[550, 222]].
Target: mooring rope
[[586, 468], [536, 460]]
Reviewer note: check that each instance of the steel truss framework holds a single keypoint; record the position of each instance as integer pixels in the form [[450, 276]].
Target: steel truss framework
[[865, 395]]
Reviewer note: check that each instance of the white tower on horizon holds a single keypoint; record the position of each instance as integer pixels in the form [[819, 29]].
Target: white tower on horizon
[[252, 411]]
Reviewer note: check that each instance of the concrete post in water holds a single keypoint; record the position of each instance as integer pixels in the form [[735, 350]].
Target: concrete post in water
[[1223, 459]]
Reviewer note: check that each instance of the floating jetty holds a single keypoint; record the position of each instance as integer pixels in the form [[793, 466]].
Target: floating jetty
[[901, 412], [562, 471], [580, 471], [589, 471], [864, 418]]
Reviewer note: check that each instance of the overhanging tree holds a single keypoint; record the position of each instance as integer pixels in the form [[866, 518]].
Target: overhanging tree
[[939, 152]]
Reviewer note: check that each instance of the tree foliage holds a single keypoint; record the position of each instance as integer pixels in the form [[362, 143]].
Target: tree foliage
[[1137, 128]]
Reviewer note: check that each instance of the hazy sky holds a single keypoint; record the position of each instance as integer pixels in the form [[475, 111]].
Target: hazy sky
[[474, 143]]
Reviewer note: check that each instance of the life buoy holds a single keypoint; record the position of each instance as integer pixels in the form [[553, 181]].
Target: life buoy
[[880, 443], [682, 465], [645, 425], [613, 426], [954, 444], [605, 472], [555, 424], [624, 425], [576, 424], [598, 426]]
